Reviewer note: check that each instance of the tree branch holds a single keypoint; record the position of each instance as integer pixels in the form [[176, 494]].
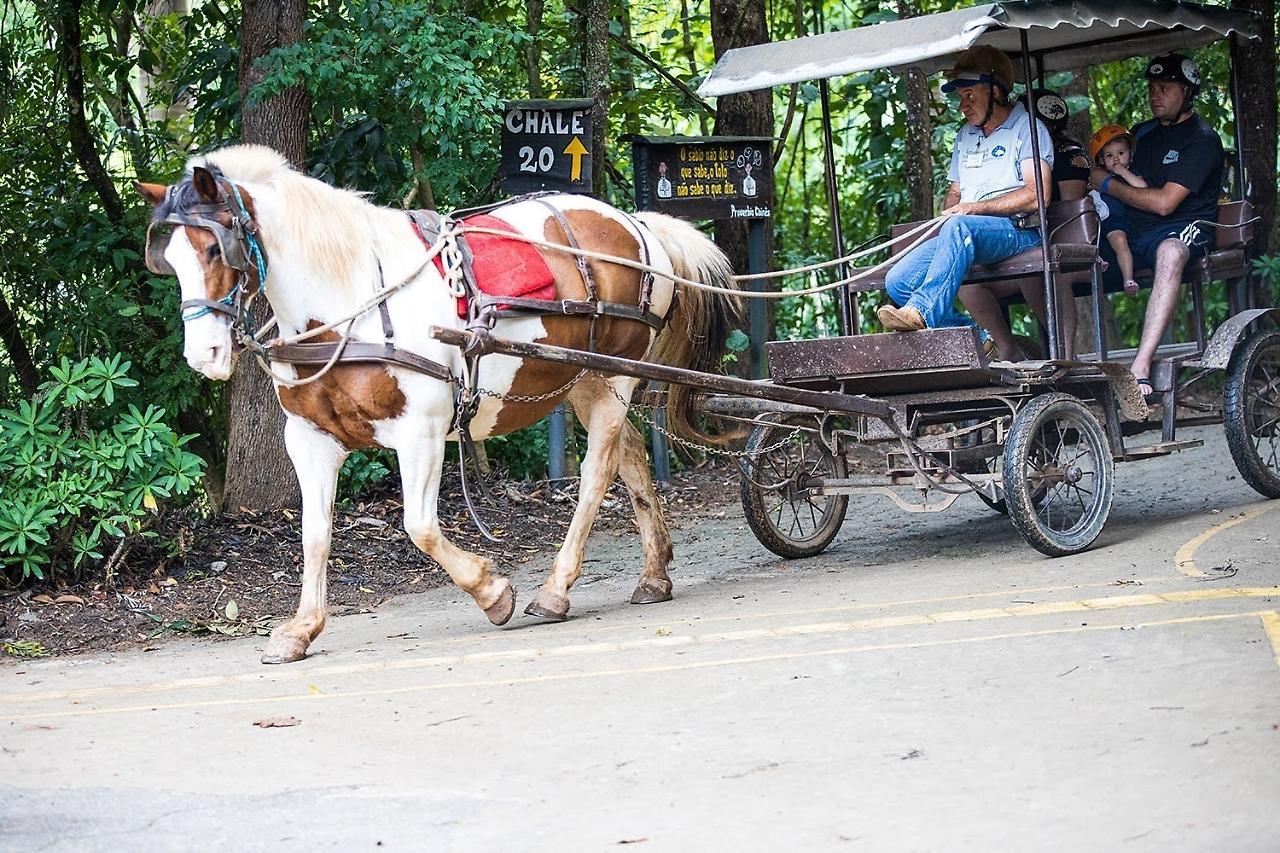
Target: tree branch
[[652, 63]]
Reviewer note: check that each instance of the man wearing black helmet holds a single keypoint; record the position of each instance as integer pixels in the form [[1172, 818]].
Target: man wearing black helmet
[[1180, 157]]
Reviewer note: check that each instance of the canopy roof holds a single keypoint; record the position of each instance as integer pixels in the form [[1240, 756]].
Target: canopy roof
[[1064, 33]]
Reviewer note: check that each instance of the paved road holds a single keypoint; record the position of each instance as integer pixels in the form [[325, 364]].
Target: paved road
[[929, 683]]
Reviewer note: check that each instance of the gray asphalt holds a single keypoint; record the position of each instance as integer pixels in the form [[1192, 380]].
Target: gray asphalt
[[928, 683]]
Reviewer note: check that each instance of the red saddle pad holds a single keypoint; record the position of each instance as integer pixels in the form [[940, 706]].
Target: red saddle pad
[[504, 267]]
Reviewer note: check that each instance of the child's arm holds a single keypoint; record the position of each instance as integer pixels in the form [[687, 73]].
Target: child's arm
[[1129, 177]]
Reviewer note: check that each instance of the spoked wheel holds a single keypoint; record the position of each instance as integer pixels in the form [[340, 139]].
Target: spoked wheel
[[1251, 411], [1058, 475], [779, 477]]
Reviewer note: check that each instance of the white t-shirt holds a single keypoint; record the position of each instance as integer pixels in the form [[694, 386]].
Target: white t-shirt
[[989, 166]]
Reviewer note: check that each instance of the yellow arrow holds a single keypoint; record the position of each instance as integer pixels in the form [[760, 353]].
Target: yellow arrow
[[575, 150]]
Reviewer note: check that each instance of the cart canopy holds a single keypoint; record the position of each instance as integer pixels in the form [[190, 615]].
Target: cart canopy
[[1062, 33]]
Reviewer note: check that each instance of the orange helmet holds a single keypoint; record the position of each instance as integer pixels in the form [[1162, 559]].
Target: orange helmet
[[1104, 136]]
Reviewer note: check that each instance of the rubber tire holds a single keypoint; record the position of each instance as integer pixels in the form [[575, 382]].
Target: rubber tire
[[757, 513], [1022, 504], [1264, 480]]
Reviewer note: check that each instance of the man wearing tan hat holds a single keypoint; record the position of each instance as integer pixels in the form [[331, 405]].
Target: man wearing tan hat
[[992, 182]]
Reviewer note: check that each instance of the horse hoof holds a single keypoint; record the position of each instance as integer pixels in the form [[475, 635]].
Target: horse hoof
[[548, 605], [284, 649], [500, 611], [651, 591]]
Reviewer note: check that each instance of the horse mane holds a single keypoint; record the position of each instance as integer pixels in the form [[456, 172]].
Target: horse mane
[[333, 229]]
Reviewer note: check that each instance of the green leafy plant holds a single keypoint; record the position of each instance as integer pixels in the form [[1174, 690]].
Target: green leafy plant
[[79, 468]]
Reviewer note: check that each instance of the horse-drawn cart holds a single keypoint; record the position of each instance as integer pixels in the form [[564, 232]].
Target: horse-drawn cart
[[388, 336]]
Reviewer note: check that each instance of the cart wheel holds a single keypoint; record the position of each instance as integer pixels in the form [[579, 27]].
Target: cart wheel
[[1251, 411], [1057, 475], [786, 516]]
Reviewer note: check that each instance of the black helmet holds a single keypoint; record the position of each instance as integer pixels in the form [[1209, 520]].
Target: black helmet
[[1177, 68], [1050, 108]]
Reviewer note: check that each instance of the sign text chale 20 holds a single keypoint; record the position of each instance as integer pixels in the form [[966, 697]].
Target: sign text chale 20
[[546, 145]]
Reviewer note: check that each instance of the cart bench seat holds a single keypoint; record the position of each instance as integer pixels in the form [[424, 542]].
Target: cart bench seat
[[1073, 235]]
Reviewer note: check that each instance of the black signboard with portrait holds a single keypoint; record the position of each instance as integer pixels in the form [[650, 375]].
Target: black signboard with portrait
[[704, 177], [546, 145]]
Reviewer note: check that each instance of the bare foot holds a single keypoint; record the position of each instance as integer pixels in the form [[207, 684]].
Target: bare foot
[[1130, 288]]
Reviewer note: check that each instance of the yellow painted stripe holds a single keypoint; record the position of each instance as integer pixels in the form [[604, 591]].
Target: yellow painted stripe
[[1271, 624], [632, 624], [304, 696], [1185, 561], [670, 641]]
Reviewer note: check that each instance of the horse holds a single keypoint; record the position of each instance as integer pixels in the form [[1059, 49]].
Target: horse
[[242, 221]]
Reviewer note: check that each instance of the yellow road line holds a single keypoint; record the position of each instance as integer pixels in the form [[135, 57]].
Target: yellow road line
[[1184, 560], [1271, 624], [664, 642], [306, 696], [805, 611]]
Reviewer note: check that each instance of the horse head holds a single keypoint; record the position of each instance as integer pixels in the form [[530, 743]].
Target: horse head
[[203, 231]]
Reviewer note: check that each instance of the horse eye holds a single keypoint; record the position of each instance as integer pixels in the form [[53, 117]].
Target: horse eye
[[213, 252]]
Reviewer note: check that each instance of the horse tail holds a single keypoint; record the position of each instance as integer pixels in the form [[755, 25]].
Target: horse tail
[[696, 330]]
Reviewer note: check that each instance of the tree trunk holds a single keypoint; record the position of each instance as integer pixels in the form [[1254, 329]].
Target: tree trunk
[[1257, 64], [259, 474], [24, 366], [533, 50], [739, 23], [595, 84], [627, 81], [918, 153], [686, 47]]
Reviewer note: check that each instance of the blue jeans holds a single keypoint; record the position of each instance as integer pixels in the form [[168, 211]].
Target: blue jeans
[[929, 277]]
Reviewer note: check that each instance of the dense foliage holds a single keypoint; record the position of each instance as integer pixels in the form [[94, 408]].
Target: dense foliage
[[81, 469]]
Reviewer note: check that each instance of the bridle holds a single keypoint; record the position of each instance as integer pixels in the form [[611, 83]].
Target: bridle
[[239, 247]]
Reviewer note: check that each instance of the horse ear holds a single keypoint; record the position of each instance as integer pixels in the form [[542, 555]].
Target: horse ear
[[153, 193], [205, 183]]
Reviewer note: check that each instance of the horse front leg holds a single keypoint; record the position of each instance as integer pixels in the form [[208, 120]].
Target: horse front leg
[[655, 538], [605, 415], [421, 461], [317, 458]]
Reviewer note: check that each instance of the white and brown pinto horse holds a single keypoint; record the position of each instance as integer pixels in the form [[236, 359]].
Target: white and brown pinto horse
[[328, 252]]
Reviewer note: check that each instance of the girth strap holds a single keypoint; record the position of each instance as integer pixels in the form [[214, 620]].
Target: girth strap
[[517, 306], [319, 353]]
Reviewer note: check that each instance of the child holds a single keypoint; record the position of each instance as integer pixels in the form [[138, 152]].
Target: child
[[1111, 148]]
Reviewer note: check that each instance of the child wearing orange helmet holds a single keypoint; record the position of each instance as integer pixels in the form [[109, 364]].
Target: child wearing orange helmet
[[1111, 148]]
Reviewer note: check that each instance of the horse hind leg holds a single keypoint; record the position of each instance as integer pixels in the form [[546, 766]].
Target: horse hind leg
[[655, 584], [421, 461], [604, 415], [316, 458]]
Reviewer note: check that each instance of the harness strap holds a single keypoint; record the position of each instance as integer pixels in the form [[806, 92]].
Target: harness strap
[[319, 353], [517, 306], [583, 269]]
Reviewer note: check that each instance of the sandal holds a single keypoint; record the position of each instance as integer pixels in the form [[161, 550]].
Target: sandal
[[1149, 394]]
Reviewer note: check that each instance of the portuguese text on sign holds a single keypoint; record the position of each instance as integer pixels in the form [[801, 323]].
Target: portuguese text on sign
[[546, 145], [718, 177]]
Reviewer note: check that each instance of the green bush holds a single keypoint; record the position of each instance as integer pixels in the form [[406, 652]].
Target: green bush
[[80, 468]]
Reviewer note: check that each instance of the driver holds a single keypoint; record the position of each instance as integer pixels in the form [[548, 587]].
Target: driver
[[992, 180], [1180, 157]]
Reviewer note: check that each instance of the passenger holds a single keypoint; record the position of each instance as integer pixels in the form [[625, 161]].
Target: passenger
[[1070, 182], [1180, 157], [1111, 147], [992, 181]]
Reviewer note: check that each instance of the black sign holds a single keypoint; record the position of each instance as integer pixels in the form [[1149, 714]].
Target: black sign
[[705, 177], [546, 145]]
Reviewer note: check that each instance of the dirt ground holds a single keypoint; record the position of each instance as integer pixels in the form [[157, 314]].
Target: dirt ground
[[237, 574]]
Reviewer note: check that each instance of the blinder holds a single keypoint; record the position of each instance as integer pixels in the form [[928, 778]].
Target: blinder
[[235, 243], [231, 242]]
